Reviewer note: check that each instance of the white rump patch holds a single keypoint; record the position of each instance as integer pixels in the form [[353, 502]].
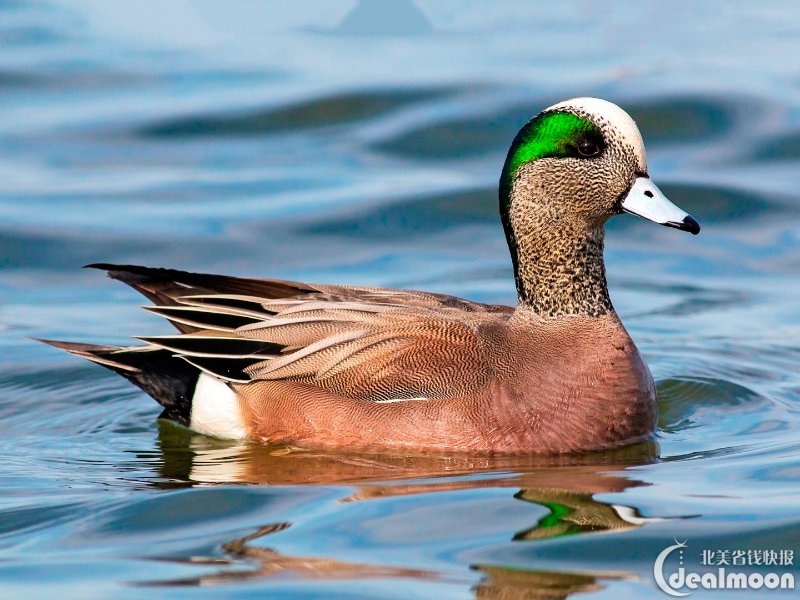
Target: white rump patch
[[215, 409], [217, 465], [626, 513], [614, 116]]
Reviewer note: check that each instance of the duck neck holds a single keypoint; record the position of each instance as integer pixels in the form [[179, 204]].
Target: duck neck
[[558, 264]]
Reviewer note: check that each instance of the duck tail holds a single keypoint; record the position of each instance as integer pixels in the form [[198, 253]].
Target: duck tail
[[170, 380]]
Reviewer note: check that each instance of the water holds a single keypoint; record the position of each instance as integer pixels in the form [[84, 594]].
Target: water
[[331, 141]]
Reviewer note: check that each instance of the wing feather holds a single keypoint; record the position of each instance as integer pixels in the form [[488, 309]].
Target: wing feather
[[367, 343]]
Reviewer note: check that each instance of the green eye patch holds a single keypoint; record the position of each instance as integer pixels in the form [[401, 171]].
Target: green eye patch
[[549, 135]]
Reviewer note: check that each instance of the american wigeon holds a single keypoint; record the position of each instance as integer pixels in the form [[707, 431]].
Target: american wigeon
[[359, 367]]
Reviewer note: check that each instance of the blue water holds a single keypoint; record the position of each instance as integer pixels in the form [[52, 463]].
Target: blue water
[[360, 142]]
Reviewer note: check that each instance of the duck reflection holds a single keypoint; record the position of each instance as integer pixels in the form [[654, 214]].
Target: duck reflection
[[271, 563], [565, 485], [522, 584], [497, 581]]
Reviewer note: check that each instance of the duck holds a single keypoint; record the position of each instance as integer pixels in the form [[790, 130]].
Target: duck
[[367, 368]]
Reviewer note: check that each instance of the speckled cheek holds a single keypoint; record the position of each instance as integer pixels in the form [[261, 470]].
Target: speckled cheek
[[620, 167]]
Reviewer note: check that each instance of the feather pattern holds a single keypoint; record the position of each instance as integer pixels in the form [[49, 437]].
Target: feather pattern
[[365, 343]]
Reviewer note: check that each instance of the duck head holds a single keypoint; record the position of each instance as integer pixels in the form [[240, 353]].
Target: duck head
[[569, 169]]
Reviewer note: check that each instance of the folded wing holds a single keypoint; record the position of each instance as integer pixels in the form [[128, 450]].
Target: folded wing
[[370, 344]]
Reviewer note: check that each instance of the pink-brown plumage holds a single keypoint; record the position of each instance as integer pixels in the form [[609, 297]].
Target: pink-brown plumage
[[578, 386], [362, 367]]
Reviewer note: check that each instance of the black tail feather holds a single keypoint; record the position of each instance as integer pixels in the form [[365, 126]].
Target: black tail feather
[[168, 379], [153, 282], [164, 287]]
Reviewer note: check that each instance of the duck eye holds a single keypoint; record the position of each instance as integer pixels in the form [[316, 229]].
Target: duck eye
[[588, 148]]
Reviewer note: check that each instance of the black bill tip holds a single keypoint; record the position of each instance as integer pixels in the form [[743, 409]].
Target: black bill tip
[[688, 224]]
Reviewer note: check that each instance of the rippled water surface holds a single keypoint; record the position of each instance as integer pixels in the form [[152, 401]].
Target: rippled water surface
[[361, 142]]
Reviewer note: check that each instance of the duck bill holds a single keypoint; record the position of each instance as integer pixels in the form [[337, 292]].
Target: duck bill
[[645, 200]]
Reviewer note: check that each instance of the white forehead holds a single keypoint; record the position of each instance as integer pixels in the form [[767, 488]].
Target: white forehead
[[608, 112]]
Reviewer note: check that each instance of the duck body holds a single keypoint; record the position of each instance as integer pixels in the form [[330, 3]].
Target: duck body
[[581, 386], [355, 367]]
